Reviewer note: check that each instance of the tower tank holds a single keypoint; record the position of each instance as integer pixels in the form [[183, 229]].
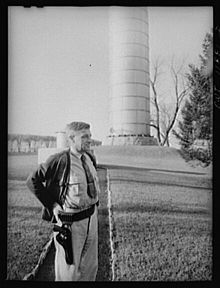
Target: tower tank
[[129, 109], [61, 139]]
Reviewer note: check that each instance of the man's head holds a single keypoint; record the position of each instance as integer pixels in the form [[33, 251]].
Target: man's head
[[79, 136]]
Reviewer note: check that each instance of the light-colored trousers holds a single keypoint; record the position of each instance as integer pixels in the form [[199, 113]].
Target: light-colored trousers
[[85, 252]]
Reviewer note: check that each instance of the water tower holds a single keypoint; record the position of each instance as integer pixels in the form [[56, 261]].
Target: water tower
[[129, 105]]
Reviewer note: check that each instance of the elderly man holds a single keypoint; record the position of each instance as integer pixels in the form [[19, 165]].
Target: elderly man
[[67, 186]]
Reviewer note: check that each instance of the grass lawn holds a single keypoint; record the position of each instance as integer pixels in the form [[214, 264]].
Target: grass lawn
[[19, 166], [27, 233], [162, 225], [161, 233]]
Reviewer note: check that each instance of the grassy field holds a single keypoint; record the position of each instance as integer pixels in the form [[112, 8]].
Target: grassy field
[[162, 225], [19, 166], [27, 233], [162, 232]]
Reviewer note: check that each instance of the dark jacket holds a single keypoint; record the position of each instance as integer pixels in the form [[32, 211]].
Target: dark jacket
[[49, 182]]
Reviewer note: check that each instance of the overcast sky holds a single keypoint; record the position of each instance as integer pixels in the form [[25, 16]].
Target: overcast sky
[[58, 62]]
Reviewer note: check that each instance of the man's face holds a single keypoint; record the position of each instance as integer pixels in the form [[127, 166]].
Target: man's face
[[82, 140]]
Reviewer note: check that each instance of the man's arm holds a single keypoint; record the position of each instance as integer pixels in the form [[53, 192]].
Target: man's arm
[[36, 183]]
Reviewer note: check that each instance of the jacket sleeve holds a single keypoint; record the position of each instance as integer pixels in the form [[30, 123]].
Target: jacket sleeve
[[36, 183]]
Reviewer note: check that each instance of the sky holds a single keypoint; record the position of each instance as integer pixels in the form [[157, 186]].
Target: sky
[[59, 62]]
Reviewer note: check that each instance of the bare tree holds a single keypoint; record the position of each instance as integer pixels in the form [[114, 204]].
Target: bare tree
[[153, 82], [166, 113]]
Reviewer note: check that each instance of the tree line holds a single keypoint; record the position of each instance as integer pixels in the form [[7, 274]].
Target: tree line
[[29, 137], [29, 143]]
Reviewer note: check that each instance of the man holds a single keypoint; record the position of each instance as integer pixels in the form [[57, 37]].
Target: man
[[64, 186]]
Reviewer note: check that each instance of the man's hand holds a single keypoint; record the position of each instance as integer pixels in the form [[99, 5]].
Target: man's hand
[[56, 209]]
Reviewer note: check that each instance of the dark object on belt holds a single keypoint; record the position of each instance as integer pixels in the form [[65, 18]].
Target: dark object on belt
[[69, 217], [64, 236], [64, 239]]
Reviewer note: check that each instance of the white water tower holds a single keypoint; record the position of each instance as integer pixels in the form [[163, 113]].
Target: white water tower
[[129, 107]]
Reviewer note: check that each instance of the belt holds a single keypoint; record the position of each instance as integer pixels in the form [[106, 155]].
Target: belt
[[73, 217]]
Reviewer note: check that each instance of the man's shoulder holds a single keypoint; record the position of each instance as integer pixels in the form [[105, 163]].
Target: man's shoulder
[[59, 156]]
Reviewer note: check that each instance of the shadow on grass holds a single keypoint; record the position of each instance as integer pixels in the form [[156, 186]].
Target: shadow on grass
[[46, 272], [206, 186], [127, 208], [130, 167]]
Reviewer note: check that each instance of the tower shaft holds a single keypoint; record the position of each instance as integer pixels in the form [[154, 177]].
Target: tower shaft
[[129, 71]]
